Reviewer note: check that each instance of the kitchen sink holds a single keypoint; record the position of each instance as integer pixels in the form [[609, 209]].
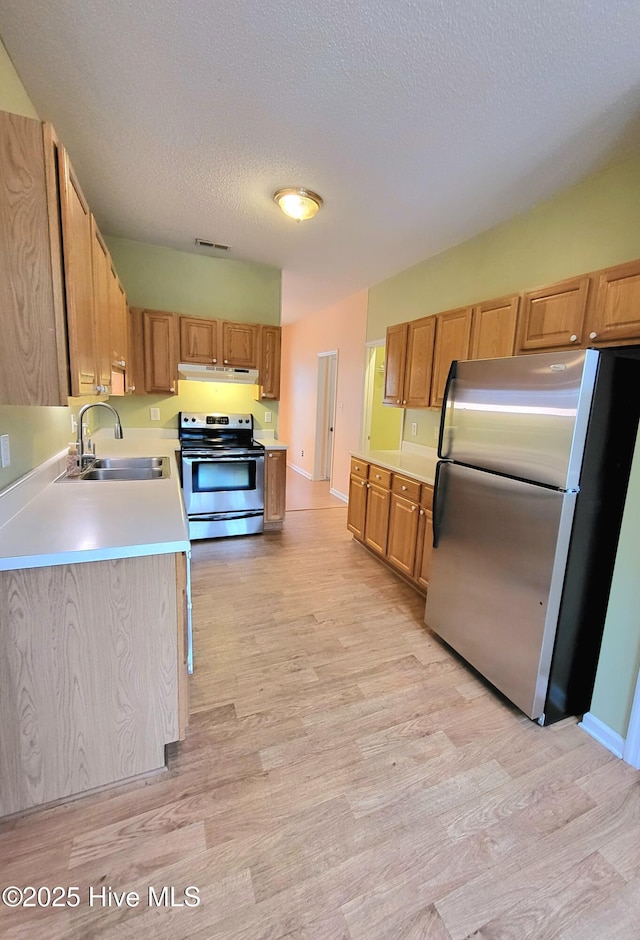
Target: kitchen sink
[[123, 469]]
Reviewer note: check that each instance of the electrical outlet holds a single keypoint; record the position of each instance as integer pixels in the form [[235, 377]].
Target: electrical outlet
[[5, 452], [267, 417], [154, 414], [414, 428], [302, 453], [74, 424]]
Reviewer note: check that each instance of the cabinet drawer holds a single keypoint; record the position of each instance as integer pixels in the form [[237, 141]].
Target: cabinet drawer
[[359, 468], [404, 486], [427, 497], [380, 476]]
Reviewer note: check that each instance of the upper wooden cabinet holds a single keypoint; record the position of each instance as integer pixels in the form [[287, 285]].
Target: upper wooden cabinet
[[269, 367], [240, 344], [101, 279], [453, 336], [119, 321], [199, 340], [161, 346], [421, 335], [77, 248], [409, 363], [394, 366], [33, 348], [553, 317], [493, 331], [614, 315]]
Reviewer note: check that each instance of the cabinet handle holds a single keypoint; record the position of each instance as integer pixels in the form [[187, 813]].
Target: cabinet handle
[[214, 360], [378, 477], [422, 512], [573, 337], [368, 486], [363, 483], [264, 395], [172, 389], [592, 335], [131, 388], [269, 456], [404, 401], [397, 401], [226, 362], [356, 467], [122, 362], [413, 508], [404, 489]]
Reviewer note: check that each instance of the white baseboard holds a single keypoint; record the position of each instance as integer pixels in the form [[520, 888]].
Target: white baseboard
[[339, 495], [610, 739], [299, 470]]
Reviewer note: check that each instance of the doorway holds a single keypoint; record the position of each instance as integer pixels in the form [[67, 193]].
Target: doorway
[[381, 424], [325, 414]]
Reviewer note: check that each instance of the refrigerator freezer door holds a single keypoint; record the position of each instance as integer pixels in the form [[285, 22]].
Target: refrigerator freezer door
[[496, 577], [525, 416]]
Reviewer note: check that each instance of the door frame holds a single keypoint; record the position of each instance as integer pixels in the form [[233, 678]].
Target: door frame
[[326, 400], [631, 752], [369, 385]]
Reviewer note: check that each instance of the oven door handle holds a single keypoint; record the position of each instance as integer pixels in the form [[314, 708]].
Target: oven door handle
[[228, 457]]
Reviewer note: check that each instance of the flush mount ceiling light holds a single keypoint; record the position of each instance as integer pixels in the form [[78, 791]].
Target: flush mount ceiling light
[[299, 204]]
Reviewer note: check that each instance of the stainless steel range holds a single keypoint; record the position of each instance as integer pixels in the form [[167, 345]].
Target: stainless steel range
[[222, 475]]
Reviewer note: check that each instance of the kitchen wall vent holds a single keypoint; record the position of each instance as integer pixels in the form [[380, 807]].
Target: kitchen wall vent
[[205, 243]]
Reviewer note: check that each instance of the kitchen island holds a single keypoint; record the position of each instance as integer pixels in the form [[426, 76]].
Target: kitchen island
[[93, 649]]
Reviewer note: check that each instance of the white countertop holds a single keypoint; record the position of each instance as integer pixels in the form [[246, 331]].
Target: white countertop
[[65, 521], [419, 465], [270, 443]]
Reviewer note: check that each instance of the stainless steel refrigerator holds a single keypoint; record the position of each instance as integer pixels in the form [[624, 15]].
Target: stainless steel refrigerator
[[535, 457]]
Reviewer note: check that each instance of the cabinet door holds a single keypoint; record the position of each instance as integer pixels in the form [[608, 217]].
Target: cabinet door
[[419, 366], [553, 317], [31, 303], [198, 340], [160, 337], [376, 525], [275, 485], [357, 506], [494, 326], [101, 277], [615, 315], [270, 338], [240, 344], [395, 362], [424, 547], [403, 534], [119, 321], [76, 247], [135, 365], [453, 334]]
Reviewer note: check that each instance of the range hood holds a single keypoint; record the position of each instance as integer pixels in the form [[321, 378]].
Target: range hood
[[203, 373]]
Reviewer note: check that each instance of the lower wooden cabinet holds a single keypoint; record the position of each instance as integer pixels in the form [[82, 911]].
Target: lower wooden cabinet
[[391, 514], [275, 488], [92, 675]]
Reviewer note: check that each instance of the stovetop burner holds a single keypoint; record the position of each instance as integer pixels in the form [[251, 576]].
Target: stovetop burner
[[205, 434]]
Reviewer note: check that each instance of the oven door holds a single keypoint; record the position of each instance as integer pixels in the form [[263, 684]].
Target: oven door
[[223, 484]]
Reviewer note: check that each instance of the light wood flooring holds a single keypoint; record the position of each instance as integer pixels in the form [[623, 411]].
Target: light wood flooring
[[309, 494], [345, 777]]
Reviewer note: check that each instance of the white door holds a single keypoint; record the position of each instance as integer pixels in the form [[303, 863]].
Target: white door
[[325, 414]]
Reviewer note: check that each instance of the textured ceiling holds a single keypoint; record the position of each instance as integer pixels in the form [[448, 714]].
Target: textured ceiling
[[420, 122]]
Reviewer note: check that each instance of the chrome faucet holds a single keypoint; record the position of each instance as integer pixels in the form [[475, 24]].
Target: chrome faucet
[[117, 429]]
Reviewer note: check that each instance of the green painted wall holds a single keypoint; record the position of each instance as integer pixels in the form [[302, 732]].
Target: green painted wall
[[164, 279], [192, 396], [386, 421], [620, 657], [13, 96], [589, 226]]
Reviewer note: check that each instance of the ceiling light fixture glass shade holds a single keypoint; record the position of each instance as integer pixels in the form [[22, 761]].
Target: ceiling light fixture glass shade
[[299, 204]]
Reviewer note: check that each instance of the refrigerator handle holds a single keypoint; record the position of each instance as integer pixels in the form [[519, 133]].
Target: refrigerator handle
[[436, 483], [453, 370]]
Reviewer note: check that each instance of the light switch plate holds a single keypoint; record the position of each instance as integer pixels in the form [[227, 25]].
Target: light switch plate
[[5, 452], [267, 417], [154, 414], [414, 428]]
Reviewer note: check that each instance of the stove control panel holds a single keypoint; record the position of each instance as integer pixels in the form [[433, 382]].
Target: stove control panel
[[230, 422]]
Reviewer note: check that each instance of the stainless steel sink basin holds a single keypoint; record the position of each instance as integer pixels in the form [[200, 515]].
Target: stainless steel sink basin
[[127, 463], [123, 473], [124, 468]]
